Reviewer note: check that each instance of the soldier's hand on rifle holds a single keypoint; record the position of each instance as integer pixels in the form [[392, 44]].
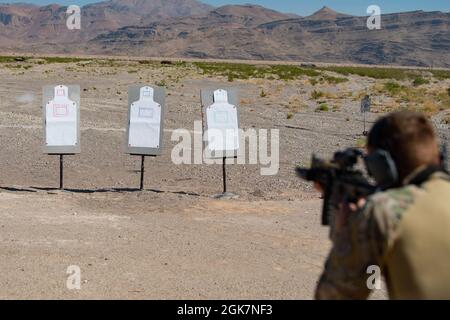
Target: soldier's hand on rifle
[[346, 209], [318, 187]]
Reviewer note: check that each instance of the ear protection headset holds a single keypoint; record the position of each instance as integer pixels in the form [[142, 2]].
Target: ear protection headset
[[382, 168]]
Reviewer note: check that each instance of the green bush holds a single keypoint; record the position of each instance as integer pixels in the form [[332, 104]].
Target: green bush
[[161, 83], [63, 59], [392, 87], [322, 107], [372, 72], [441, 74], [385, 73], [420, 81], [334, 80], [247, 71], [4, 59]]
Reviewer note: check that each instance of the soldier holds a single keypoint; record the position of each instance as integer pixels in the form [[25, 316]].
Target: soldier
[[405, 230]]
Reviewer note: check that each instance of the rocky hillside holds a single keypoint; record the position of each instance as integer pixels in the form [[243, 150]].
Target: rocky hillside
[[22, 25], [187, 28]]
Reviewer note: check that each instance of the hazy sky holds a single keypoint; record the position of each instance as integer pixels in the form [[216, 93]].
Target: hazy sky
[[306, 7]]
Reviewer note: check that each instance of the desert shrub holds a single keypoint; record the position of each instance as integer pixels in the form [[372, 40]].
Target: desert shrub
[[263, 94], [322, 107], [145, 62], [448, 92], [429, 107], [447, 119], [292, 72], [7, 59], [372, 72], [63, 59], [161, 83], [385, 73], [13, 66], [109, 63], [441, 74], [248, 71], [360, 143], [392, 87], [334, 80], [316, 94], [290, 115], [420, 81]]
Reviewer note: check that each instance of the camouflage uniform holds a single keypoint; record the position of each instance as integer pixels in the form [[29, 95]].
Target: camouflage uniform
[[369, 237]]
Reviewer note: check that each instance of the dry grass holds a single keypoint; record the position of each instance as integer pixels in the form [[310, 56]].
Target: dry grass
[[360, 143], [295, 104], [316, 94], [447, 119]]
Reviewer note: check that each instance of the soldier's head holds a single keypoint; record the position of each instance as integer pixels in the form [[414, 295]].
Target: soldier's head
[[410, 139]]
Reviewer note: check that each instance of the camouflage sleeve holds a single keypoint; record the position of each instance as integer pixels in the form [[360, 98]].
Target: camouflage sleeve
[[368, 236], [345, 275]]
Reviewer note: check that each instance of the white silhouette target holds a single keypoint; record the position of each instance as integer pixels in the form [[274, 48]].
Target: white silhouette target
[[145, 121], [222, 124], [61, 120]]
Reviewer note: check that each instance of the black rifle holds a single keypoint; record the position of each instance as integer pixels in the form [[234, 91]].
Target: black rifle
[[338, 178]]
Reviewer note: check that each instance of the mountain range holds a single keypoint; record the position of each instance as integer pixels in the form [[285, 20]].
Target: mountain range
[[191, 29]]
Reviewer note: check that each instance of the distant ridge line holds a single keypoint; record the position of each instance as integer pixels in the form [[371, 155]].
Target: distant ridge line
[[231, 61]]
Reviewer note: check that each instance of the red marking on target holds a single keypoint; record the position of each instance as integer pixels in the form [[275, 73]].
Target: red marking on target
[[60, 92], [60, 110]]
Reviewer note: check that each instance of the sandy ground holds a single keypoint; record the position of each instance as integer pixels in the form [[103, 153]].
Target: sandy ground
[[171, 240], [146, 245]]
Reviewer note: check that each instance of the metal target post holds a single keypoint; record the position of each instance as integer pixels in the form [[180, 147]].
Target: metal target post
[[142, 175], [61, 171], [142, 172], [224, 174], [364, 117], [365, 107]]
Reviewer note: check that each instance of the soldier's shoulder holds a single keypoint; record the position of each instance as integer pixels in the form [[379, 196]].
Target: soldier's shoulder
[[404, 194], [393, 203]]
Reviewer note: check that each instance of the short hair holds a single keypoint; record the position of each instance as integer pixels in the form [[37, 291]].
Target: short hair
[[410, 139]]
